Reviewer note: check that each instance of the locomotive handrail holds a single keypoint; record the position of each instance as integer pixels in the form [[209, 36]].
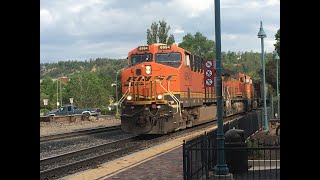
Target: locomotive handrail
[[124, 95], [174, 98]]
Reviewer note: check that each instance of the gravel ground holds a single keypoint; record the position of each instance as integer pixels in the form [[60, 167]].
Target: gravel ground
[[49, 128], [87, 155], [269, 140]]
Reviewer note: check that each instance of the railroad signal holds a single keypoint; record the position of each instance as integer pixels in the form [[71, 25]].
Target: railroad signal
[[208, 75]]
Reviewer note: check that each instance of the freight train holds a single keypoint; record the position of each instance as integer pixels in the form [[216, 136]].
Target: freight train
[[164, 89]]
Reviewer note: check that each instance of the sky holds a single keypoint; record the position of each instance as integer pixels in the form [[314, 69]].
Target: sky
[[82, 29]]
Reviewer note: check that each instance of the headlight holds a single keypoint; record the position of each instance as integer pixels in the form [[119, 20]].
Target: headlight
[[148, 69], [129, 98], [159, 96]]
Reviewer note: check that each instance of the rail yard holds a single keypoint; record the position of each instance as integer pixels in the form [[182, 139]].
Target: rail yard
[[71, 152], [164, 110], [80, 153]]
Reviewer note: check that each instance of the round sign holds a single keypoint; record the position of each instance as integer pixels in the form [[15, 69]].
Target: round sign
[[208, 73], [208, 64], [209, 82]]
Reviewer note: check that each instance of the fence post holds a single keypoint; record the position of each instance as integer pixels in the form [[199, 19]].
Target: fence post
[[272, 114], [184, 160]]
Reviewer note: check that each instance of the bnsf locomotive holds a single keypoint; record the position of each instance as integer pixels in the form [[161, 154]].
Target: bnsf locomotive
[[164, 91]]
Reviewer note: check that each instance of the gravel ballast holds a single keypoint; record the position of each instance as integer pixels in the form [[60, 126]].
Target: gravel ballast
[[50, 128]]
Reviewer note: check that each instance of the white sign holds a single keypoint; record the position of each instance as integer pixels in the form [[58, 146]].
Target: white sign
[[208, 64], [71, 100], [209, 82], [208, 72], [58, 103], [45, 102]]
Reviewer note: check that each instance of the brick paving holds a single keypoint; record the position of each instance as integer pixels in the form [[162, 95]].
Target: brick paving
[[168, 166]]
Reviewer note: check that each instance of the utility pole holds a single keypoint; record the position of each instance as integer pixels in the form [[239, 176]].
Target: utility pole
[[60, 92], [117, 113], [57, 94]]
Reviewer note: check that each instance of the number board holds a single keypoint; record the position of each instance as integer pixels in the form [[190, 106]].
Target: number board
[[208, 73], [143, 48], [164, 47]]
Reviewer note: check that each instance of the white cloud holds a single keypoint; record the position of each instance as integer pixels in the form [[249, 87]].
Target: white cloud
[[45, 17], [98, 28], [229, 36], [191, 8], [178, 31], [77, 6], [273, 2]]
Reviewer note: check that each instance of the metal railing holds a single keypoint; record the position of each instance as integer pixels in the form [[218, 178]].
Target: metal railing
[[248, 160]]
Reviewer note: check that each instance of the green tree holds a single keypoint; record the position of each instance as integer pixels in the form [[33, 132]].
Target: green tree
[[152, 34], [163, 32], [270, 70], [48, 90], [149, 37], [171, 39], [277, 45], [102, 68], [199, 45], [87, 90], [159, 33]]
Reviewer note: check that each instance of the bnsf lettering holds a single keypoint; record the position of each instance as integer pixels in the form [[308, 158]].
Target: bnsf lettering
[[147, 78]]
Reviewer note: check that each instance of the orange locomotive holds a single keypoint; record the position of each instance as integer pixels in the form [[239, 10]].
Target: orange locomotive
[[163, 91]]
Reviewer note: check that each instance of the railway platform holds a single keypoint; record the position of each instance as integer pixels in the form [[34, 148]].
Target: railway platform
[[165, 166], [168, 166], [161, 162]]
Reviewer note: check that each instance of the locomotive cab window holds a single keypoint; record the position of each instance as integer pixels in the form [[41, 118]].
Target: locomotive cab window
[[172, 59], [139, 58]]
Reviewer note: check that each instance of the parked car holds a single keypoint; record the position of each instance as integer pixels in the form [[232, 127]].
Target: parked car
[[74, 110]]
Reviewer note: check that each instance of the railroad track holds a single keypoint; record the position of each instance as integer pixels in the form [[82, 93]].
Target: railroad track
[[118, 149], [66, 167], [78, 133]]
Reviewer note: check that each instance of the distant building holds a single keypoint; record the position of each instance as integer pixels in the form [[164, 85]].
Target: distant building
[[63, 79]]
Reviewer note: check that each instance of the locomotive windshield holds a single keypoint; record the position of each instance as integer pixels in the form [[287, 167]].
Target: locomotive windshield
[[139, 58], [172, 59]]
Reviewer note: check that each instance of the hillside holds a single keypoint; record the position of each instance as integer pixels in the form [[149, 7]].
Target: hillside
[[66, 68]]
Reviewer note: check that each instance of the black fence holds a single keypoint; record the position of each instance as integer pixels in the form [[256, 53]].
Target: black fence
[[246, 160]]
